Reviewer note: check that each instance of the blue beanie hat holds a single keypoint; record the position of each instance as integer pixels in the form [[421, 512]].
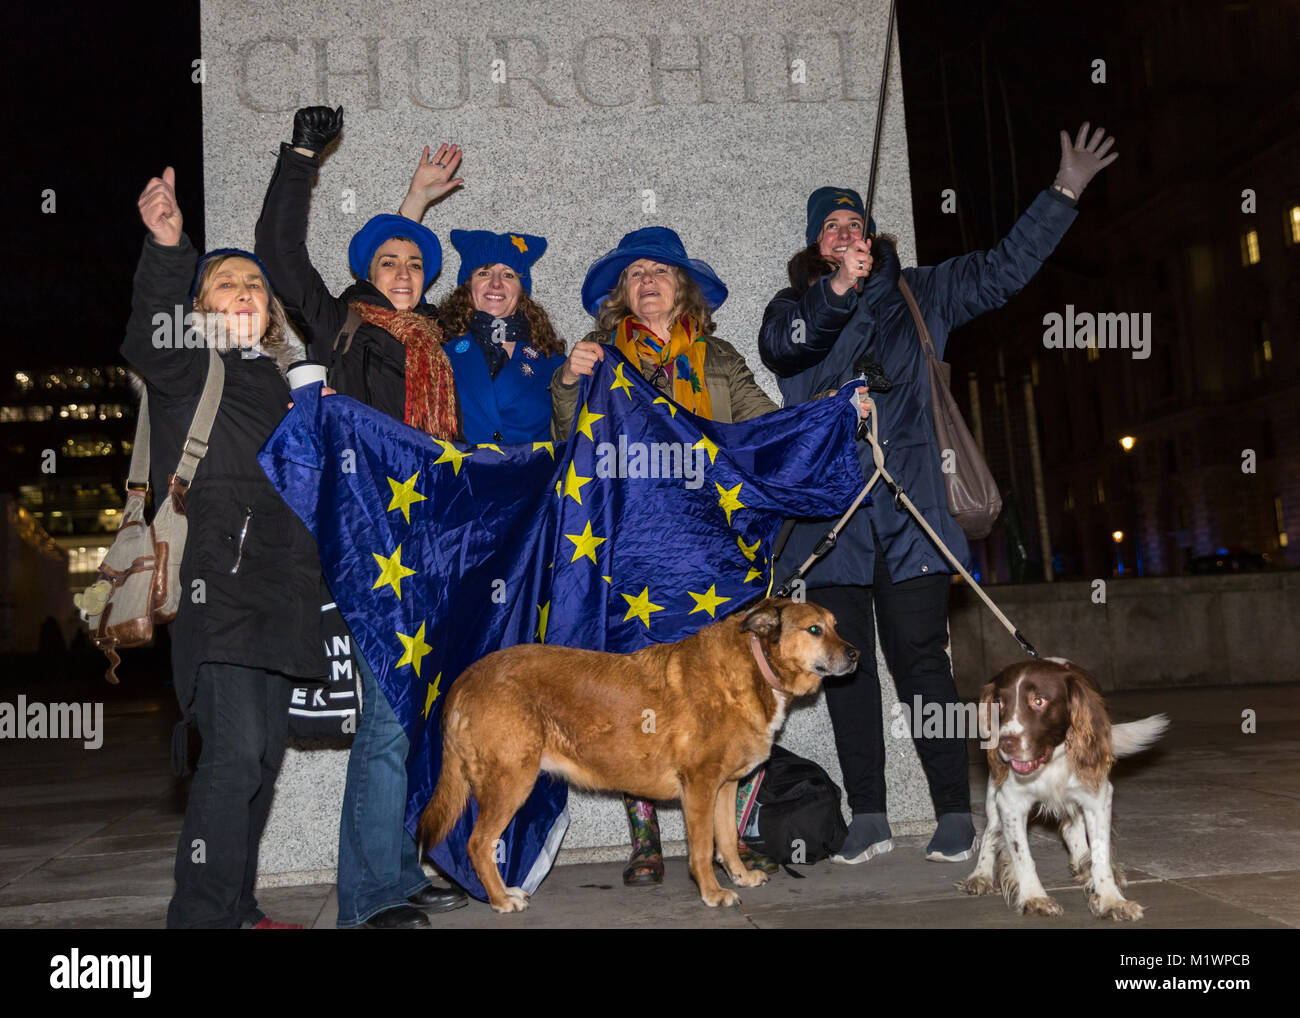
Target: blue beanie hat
[[223, 252], [658, 244], [481, 247], [366, 241], [825, 200]]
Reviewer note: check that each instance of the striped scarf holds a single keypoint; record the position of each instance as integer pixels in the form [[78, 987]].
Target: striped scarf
[[684, 351], [430, 391]]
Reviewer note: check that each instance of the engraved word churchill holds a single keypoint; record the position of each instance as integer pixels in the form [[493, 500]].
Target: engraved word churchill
[[603, 70]]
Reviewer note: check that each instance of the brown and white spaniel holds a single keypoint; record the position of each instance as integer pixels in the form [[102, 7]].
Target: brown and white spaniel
[[1055, 748]]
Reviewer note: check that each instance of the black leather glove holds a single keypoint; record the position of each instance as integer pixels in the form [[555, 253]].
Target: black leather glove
[[314, 127]]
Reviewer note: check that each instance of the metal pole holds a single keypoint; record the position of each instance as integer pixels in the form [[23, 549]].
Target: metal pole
[[1036, 464]]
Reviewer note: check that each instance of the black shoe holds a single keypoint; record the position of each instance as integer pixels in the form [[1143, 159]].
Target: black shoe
[[433, 900], [399, 917]]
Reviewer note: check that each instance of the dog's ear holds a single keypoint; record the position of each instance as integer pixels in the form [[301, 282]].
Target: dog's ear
[[764, 620], [1088, 742], [989, 716]]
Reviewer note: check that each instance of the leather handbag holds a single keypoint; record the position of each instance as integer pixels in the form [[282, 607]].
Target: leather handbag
[[973, 497], [138, 586]]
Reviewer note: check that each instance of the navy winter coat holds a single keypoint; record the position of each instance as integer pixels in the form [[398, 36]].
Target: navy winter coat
[[838, 330]]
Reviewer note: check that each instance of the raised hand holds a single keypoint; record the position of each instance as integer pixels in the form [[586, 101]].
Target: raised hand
[[314, 127], [159, 210], [1082, 160], [433, 178]]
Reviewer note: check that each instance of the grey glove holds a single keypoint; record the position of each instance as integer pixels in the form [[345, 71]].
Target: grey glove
[[1081, 161]]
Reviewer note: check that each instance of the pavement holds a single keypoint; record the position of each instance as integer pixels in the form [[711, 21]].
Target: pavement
[[1207, 828]]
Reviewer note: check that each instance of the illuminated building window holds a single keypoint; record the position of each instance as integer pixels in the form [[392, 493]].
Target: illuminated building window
[[1250, 247], [9, 414], [1293, 225], [1098, 492], [1280, 520], [85, 446]]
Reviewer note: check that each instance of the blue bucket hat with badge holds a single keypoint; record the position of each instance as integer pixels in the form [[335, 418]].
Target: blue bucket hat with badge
[[825, 200], [365, 242], [658, 244], [482, 247]]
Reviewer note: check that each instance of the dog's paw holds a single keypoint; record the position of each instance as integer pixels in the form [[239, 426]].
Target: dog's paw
[[1081, 870], [515, 900], [977, 883], [748, 878], [1119, 909], [721, 897], [1040, 906]]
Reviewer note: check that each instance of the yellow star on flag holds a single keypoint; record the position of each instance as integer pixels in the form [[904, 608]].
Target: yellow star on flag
[[585, 544], [519, 242], [708, 447], [729, 499], [573, 483], [489, 445], [450, 454], [607, 579], [432, 694], [620, 382], [585, 420], [413, 651], [404, 496], [753, 574], [707, 602], [548, 446], [545, 610], [672, 407], [640, 607], [392, 572], [748, 550]]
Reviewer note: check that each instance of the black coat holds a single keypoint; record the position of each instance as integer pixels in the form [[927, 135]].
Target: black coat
[[267, 613], [838, 330], [374, 368]]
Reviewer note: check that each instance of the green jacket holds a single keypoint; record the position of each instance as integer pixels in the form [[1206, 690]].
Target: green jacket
[[734, 393]]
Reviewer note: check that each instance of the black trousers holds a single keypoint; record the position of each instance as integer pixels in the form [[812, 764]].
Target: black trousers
[[913, 620], [243, 719]]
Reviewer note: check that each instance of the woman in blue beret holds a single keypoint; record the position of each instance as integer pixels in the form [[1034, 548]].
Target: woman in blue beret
[[655, 306], [383, 346]]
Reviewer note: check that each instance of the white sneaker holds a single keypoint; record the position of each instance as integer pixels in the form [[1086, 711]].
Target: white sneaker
[[870, 852]]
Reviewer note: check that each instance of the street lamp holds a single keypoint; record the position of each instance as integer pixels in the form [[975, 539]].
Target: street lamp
[[1127, 443], [1118, 536]]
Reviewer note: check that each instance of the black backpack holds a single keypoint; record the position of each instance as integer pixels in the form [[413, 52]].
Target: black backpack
[[799, 818]]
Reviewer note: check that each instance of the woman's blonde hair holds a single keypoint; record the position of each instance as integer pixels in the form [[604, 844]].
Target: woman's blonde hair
[[276, 328], [690, 301]]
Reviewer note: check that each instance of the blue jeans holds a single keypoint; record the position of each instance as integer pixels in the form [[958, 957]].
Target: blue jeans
[[378, 863]]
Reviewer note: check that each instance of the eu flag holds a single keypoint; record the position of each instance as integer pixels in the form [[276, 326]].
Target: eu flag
[[646, 525]]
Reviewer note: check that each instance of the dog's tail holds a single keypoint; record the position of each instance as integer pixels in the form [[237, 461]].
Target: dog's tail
[[447, 804], [1135, 736]]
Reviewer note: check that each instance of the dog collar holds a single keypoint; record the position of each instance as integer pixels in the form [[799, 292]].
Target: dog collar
[[766, 669]]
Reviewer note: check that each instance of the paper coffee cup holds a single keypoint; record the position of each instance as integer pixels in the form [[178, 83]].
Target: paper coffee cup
[[305, 373]]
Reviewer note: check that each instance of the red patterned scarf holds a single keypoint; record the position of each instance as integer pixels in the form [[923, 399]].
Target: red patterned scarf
[[430, 391]]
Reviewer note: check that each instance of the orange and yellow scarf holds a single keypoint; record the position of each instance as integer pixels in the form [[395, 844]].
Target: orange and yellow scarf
[[684, 351]]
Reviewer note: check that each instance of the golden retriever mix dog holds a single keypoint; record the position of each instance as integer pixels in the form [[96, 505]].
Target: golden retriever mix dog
[[678, 720]]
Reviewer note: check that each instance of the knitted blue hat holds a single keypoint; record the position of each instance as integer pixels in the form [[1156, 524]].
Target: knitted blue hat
[[481, 247], [659, 244], [825, 200], [365, 242], [222, 252]]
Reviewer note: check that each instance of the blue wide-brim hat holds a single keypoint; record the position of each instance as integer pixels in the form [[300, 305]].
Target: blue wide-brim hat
[[825, 200], [659, 244], [365, 242], [482, 247], [222, 252]]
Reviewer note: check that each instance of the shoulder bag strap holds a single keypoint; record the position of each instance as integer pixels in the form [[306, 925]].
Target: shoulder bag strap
[[350, 326], [196, 441], [927, 344], [137, 474]]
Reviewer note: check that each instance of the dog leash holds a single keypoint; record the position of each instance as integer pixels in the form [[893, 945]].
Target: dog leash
[[868, 430]]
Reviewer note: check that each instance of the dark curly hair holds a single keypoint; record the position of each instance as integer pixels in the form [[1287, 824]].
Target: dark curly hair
[[455, 312]]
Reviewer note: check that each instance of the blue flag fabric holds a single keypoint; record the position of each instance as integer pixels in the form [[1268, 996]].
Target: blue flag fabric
[[648, 524]]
